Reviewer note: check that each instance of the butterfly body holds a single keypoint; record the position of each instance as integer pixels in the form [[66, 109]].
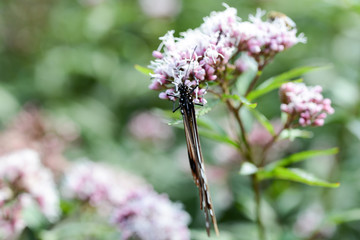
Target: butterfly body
[[187, 109]]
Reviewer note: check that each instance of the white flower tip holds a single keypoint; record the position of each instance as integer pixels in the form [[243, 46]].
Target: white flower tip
[[225, 5]]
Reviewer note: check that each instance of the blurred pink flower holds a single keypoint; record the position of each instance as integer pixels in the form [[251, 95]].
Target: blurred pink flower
[[310, 221], [146, 215], [160, 8], [259, 137], [305, 103], [24, 182], [30, 129], [136, 209], [98, 184], [146, 126], [224, 154]]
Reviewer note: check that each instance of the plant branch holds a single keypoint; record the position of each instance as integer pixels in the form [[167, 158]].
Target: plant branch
[[260, 225], [235, 112], [266, 148]]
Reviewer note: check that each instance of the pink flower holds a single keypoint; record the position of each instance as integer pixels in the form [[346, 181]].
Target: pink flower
[[147, 215], [267, 38], [48, 137], [160, 8], [98, 184], [202, 54], [146, 126], [305, 103], [312, 220], [25, 182]]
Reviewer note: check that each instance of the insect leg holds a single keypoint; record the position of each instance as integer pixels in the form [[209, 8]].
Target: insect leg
[[175, 109]]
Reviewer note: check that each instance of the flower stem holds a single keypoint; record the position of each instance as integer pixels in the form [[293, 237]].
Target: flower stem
[[287, 125], [257, 195]]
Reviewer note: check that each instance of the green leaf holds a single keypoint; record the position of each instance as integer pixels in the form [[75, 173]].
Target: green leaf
[[239, 99], [207, 107], [301, 156], [268, 86], [80, 229], [144, 70], [277, 81], [219, 138], [263, 121], [247, 169], [343, 217], [296, 175], [205, 124], [33, 217], [291, 134], [175, 122]]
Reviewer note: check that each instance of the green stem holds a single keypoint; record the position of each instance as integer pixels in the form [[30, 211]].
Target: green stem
[[257, 195]]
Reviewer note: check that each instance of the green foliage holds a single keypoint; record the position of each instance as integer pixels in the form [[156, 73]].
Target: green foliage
[[292, 134], [239, 99], [296, 175], [143, 70], [301, 156], [275, 82], [346, 216], [263, 121]]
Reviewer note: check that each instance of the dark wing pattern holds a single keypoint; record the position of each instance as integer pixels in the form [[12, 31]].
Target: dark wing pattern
[[197, 165]]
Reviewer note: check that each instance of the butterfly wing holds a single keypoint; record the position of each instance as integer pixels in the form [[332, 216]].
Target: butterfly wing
[[197, 165]]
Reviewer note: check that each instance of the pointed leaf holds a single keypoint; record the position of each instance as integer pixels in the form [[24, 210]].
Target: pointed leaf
[[33, 216], [248, 168], [144, 70], [270, 85], [277, 81], [296, 175], [347, 216], [291, 134], [219, 138], [263, 121], [239, 99], [176, 122], [301, 156]]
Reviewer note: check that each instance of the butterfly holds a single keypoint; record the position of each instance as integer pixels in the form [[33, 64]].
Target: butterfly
[[186, 105]]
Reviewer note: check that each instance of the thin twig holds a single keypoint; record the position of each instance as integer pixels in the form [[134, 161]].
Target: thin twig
[[260, 225], [235, 112], [273, 140]]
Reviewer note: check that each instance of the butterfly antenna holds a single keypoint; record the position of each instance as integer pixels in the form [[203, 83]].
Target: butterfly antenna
[[192, 56]]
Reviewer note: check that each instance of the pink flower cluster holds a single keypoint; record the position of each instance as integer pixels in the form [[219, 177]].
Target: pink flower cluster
[[146, 126], [306, 103], [48, 137], [97, 184], [25, 183], [202, 54], [132, 205], [147, 215]]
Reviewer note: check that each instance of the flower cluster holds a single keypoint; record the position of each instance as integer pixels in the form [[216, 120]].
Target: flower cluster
[[306, 103], [146, 126], [133, 206], [203, 54], [31, 129], [25, 182], [147, 215], [97, 184]]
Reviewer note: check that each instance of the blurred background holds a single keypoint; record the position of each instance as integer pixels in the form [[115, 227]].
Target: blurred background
[[73, 61]]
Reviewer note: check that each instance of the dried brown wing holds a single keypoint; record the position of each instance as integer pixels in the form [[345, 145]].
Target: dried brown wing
[[197, 166]]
